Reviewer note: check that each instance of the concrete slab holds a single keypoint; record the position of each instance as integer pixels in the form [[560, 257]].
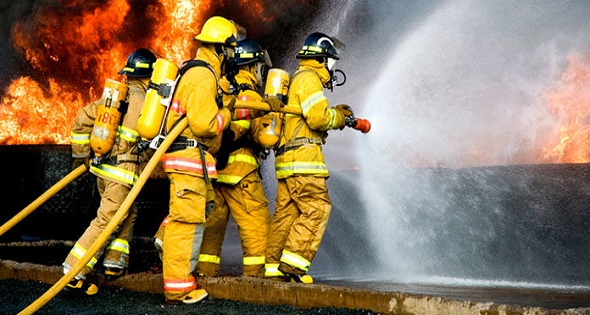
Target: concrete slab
[[260, 291]]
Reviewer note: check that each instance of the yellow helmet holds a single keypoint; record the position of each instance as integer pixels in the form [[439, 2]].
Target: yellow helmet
[[218, 30]]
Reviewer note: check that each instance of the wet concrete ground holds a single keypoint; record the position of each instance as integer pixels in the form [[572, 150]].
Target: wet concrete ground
[[27, 270], [16, 295], [22, 283], [547, 298]]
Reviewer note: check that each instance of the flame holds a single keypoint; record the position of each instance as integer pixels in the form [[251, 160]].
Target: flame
[[81, 51], [182, 21], [30, 117], [71, 47], [569, 102]]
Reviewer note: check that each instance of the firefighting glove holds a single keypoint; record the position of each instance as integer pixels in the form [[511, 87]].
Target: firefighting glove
[[341, 119], [81, 161], [143, 145], [274, 103], [345, 109]]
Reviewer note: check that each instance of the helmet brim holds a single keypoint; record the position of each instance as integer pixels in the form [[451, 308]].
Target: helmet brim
[[302, 56]]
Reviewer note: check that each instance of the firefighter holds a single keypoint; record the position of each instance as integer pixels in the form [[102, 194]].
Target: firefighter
[[238, 189], [116, 172], [189, 162], [302, 205]]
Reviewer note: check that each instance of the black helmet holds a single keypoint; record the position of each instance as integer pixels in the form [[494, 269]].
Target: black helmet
[[140, 64], [318, 45], [248, 51]]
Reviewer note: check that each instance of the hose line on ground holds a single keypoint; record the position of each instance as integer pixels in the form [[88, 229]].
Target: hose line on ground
[[43, 198], [116, 220]]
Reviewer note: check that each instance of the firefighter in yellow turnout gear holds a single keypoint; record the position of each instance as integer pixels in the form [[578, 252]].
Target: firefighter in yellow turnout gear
[[238, 189], [189, 162], [116, 172], [303, 205]]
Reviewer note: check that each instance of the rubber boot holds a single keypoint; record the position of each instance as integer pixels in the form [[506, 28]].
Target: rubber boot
[[193, 297], [82, 286]]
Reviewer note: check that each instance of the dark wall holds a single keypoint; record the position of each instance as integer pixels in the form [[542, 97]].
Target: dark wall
[[30, 170], [527, 222]]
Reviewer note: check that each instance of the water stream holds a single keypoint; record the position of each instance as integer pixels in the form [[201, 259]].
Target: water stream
[[450, 87]]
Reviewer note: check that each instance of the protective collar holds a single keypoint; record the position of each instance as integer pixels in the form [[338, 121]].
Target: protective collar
[[317, 67]]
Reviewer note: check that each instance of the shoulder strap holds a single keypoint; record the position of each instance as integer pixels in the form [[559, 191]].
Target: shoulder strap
[[200, 63], [194, 63], [302, 122], [244, 87], [298, 72]]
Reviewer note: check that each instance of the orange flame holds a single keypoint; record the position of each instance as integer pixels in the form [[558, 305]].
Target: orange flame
[[32, 113], [570, 103], [182, 20], [30, 117], [73, 46]]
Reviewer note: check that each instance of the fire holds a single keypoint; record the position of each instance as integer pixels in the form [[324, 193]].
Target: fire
[[184, 16], [27, 116], [79, 52], [74, 43], [71, 47], [570, 103]]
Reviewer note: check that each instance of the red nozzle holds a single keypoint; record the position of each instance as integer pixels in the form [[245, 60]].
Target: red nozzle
[[362, 125]]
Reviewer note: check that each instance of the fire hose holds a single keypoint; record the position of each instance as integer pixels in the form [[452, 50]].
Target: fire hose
[[43, 198], [115, 221], [360, 124]]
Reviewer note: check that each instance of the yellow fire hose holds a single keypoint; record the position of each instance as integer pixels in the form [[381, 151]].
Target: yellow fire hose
[[360, 124], [43, 198], [115, 221], [288, 109]]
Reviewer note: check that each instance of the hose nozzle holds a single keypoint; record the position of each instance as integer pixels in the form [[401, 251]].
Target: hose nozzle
[[360, 124]]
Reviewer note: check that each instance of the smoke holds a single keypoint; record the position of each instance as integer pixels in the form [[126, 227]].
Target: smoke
[[10, 11]]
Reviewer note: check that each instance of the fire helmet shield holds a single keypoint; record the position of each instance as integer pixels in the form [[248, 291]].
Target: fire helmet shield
[[266, 58], [331, 64], [318, 45], [249, 51], [261, 72], [240, 31], [218, 30], [139, 64]]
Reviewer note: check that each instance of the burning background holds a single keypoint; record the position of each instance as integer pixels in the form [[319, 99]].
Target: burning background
[[57, 54]]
